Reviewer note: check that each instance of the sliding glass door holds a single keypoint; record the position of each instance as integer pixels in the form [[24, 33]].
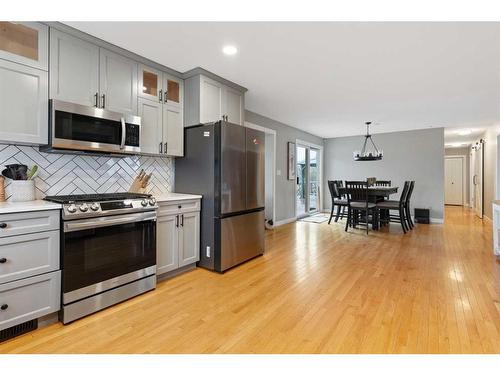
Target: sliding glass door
[[308, 180]]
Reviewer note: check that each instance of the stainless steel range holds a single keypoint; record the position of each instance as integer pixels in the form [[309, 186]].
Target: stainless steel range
[[108, 250]]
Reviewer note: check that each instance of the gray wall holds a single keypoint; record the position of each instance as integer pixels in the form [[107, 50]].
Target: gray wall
[[462, 151], [411, 155], [285, 189]]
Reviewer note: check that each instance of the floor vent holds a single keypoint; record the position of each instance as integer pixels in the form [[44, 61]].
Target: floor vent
[[18, 330]]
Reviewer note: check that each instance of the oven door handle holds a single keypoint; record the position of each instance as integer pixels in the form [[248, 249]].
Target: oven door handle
[[106, 221], [124, 129]]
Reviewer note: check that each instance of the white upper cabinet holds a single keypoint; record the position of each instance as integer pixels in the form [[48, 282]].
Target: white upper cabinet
[[23, 104], [74, 69], [25, 43], [161, 99], [233, 106], [150, 83], [210, 100], [173, 131], [117, 82], [151, 126]]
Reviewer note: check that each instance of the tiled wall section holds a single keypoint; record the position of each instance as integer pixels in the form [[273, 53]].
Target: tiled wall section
[[77, 174]]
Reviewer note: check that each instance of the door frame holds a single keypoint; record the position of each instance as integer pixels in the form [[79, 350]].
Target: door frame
[[274, 134], [300, 142], [464, 172]]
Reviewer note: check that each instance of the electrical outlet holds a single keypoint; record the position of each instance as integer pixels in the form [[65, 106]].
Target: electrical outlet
[[208, 252]]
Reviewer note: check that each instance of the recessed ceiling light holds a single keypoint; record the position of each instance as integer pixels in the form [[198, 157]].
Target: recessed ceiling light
[[465, 132], [230, 50]]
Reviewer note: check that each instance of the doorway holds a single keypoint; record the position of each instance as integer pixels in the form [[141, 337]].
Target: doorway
[[454, 189], [477, 178], [270, 171], [308, 182]]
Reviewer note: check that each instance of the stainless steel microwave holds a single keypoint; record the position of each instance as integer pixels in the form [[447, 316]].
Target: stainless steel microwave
[[77, 127]]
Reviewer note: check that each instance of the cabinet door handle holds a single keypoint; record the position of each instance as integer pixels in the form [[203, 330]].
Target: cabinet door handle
[[161, 147], [103, 101], [182, 220], [3, 225], [96, 100], [165, 149], [3, 260], [176, 221], [161, 95], [166, 96], [4, 306]]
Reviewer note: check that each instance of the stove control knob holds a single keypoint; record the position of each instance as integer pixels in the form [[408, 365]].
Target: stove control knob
[[152, 201], [94, 206], [84, 207], [144, 202], [71, 208]]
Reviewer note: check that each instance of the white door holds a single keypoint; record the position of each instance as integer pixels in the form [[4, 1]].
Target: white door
[[477, 156], [210, 100], [173, 131], [189, 240], [118, 82], [151, 126], [74, 69], [233, 105], [453, 171], [23, 104], [167, 244]]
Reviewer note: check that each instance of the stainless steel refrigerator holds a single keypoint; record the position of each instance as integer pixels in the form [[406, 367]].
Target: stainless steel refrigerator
[[225, 163]]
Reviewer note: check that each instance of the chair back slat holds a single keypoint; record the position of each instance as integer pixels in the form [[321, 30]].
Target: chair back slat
[[382, 183], [410, 192], [404, 193], [357, 191]]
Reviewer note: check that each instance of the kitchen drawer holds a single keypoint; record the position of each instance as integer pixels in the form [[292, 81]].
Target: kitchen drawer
[[28, 255], [28, 222], [29, 298], [178, 207]]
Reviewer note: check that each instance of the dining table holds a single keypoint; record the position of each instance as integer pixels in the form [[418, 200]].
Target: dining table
[[376, 194]]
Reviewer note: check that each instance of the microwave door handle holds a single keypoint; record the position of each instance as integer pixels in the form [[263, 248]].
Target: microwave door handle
[[122, 144]]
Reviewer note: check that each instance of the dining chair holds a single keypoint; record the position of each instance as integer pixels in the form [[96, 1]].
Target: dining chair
[[407, 205], [399, 206], [382, 183], [358, 202], [337, 200]]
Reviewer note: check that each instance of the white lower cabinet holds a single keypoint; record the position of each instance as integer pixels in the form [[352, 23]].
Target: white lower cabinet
[[178, 238], [30, 279], [29, 298], [189, 241], [167, 244]]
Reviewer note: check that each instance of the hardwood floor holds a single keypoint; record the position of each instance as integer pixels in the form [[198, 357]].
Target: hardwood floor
[[316, 290]]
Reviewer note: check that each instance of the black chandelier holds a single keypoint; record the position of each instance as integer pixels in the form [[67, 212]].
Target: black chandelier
[[366, 155]]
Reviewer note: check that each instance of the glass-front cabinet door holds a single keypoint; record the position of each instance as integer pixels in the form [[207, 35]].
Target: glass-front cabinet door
[[150, 83], [24, 43], [173, 90]]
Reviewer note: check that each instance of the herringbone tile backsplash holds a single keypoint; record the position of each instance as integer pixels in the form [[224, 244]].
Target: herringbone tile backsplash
[[77, 174]]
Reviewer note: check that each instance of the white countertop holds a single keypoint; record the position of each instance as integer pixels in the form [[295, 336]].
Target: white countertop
[[172, 197], [38, 205]]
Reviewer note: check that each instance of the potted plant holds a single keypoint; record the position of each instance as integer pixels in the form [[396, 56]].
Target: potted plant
[[22, 186]]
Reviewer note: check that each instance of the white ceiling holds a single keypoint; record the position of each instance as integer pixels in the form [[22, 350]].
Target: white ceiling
[[329, 78]]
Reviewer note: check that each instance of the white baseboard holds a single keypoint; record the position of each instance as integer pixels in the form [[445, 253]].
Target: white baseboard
[[434, 220], [285, 221]]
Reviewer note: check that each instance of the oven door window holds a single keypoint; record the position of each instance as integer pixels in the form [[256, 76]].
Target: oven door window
[[83, 128], [94, 255]]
